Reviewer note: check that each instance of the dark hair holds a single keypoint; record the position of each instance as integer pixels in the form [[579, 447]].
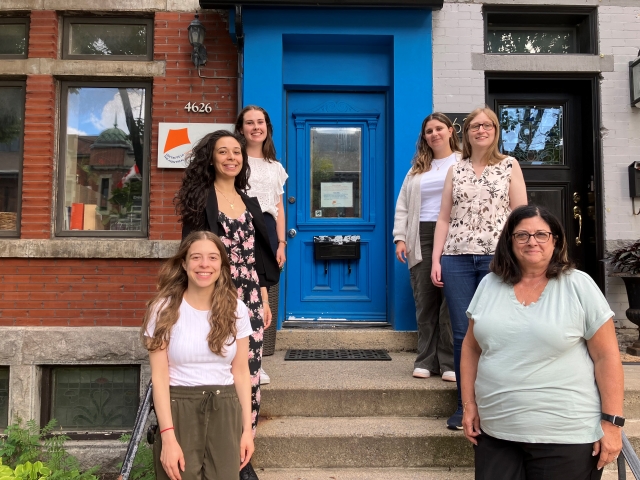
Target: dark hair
[[191, 199], [268, 148], [505, 264], [424, 154]]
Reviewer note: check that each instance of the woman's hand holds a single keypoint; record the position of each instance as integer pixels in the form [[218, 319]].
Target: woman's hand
[[401, 251], [436, 274], [171, 457], [609, 446], [471, 422], [266, 313], [246, 447], [280, 256]]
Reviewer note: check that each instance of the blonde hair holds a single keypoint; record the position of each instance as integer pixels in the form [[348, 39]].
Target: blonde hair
[[423, 157], [493, 155], [173, 282]]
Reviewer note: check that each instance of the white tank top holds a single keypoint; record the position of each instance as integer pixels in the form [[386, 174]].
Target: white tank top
[[431, 186]]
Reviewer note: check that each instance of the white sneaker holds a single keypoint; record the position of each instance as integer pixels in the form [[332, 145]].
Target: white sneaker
[[421, 373], [449, 376], [264, 378]]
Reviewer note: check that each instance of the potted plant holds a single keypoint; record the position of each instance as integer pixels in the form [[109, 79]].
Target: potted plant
[[626, 265]]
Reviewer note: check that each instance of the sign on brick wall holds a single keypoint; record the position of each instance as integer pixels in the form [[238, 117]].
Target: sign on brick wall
[[175, 141]]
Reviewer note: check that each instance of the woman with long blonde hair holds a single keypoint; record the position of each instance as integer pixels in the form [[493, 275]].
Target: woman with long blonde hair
[[196, 331], [417, 210], [479, 193]]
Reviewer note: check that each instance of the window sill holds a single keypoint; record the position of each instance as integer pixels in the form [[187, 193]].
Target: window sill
[[83, 68], [542, 63], [88, 248]]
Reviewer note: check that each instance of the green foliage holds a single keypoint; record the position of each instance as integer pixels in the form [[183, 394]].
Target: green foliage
[[143, 468], [626, 259], [31, 453]]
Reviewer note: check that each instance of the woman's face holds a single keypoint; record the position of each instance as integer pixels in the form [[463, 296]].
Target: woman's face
[[533, 253], [437, 135], [227, 158], [254, 127], [202, 264], [483, 137]]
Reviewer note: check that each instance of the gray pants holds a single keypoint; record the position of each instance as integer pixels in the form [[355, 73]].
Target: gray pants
[[435, 340]]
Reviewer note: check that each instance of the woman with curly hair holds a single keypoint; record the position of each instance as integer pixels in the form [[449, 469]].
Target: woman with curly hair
[[212, 197], [196, 331]]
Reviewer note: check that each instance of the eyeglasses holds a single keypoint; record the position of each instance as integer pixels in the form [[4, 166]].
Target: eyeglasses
[[523, 237], [476, 126]]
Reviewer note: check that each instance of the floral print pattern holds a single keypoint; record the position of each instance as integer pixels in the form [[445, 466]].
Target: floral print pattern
[[480, 208], [239, 241]]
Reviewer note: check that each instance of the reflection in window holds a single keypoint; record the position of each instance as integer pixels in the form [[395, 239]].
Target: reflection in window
[[4, 397], [99, 39], [527, 40], [532, 134], [11, 135], [13, 37], [95, 398], [104, 158], [336, 167]]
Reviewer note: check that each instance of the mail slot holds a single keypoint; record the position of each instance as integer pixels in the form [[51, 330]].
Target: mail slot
[[337, 247]]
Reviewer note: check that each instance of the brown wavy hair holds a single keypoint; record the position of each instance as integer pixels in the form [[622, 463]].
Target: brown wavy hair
[[191, 200], [505, 264], [173, 282], [268, 147], [493, 155], [424, 154]]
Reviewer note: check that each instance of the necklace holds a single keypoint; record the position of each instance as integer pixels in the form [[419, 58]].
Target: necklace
[[225, 197], [436, 163], [529, 290]]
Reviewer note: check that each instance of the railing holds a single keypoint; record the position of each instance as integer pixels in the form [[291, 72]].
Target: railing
[[628, 454]]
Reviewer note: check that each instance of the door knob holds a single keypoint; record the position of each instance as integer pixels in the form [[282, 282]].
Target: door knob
[[576, 197], [292, 232], [577, 214], [292, 200]]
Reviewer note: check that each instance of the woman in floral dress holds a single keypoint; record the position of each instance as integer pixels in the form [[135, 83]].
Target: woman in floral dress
[[212, 198]]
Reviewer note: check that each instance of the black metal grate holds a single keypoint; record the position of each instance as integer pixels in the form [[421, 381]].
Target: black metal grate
[[335, 354]]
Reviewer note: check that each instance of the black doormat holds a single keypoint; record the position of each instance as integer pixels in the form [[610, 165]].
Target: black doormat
[[335, 354]]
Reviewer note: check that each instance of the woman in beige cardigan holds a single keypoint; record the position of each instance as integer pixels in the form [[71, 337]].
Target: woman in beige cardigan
[[417, 210]]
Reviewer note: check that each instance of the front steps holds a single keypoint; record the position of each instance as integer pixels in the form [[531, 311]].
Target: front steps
[[349, 420]]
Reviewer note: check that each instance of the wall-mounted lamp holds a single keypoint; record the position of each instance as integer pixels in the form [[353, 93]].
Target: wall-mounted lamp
[[196, 39], [634, 81]]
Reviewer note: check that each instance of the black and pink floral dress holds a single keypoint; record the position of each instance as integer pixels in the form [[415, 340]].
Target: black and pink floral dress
[[239, 240]]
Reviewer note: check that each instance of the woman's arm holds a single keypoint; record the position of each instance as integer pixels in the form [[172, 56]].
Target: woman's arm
[[517, 189], [468, 372], [280, 231], [242, 382], [171, 457], [266, 308], [442, 229], [400, 221], [603, 349]]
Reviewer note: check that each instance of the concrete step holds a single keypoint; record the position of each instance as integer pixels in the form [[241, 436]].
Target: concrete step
[[366, 474], [371, 442], [353, 389], [374, 338]]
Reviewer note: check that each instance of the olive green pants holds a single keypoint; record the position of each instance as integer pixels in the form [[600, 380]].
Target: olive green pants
[[208, 427]]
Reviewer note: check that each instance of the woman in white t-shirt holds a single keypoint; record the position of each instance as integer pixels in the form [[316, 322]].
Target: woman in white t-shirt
[[417, 210], [266, 182], [196, 331]]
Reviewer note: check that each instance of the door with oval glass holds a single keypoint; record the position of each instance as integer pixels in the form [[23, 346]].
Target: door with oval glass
[[550, 131], [336, 267]]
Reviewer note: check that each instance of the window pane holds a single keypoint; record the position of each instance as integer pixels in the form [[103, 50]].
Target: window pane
[[13, 38], [336, 165], [95, 398], [107, 39], [4, 397], [104, 157], [532, 134], [636, 81], [11, 135], [531, 40]]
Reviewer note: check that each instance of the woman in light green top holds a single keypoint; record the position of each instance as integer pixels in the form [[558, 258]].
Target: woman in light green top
[[541, 375]]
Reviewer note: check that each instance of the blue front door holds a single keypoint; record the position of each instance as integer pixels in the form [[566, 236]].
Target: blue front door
[[336, 163]]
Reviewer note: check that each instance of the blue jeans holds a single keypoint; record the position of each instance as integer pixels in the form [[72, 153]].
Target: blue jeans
[[461, 275]]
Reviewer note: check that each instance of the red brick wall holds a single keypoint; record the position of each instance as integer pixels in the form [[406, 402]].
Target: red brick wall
[[43, 34], [180, 86], [70, 292]]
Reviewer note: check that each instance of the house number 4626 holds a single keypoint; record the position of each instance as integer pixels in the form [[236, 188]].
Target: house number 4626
[[198, 107]]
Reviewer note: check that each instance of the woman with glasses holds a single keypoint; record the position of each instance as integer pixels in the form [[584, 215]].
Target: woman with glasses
[[542, 381], [479, 193]]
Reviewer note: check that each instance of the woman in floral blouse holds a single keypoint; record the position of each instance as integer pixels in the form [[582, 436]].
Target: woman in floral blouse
[[213, 198], [479, 193]]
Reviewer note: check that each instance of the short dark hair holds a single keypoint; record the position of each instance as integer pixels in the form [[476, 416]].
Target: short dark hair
[[505, 264]]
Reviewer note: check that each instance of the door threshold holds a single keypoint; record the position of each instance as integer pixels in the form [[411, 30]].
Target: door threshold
[[328, 324]]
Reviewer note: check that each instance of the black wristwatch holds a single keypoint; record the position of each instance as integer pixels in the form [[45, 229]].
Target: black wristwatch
[[615, 419]]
